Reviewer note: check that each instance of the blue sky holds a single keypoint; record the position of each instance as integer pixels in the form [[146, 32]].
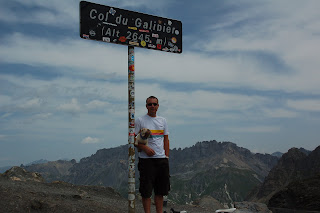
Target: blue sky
[[249, 74]]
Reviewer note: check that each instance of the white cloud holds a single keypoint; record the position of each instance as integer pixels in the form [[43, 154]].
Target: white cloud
[[88, 57], [90, 140], [43, 115], [32, 103], [279, 113], [96, 104], [305, 105], [63, 94], [55, 13], [286, 30], [95, 60], [6, 115], [199, 106], [72, 107]]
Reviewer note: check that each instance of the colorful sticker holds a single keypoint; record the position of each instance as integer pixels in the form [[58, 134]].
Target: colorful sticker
[[144, 31], [131, 105], [112, 11], [131, 139], [131, 58], [143, 43], [134, 43], [151, 45], [132, 28], [174, 40], [85, 36], [131, 123], [106, 39], [122, 39], [92, 33], [131, 78], [155, 35], [131, 67], [131, 52]]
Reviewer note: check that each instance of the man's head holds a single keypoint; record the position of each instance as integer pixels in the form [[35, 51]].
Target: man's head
[[152, 105]]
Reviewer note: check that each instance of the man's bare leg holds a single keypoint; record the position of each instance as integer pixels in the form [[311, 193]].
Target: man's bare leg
[[146, 202], [158, 200]]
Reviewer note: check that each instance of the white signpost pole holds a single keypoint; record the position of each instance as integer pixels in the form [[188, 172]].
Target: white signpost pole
[[131, 114]]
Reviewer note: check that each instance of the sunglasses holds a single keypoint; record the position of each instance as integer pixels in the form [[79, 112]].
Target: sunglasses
[[154, 104]]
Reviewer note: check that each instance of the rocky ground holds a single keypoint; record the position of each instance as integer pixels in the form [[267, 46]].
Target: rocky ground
[[22, 191]]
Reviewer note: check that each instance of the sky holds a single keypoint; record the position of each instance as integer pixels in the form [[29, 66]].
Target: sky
[[248, 74]]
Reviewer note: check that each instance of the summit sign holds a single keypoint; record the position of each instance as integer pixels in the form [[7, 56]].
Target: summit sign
[[114, 25]]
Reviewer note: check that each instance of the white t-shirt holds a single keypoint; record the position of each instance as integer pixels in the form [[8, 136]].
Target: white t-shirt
[[158, 127]]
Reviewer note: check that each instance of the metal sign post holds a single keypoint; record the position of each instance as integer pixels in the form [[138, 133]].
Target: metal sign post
[[119, 26], [131, 112]]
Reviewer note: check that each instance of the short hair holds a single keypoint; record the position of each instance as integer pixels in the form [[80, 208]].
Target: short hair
[[152, 97]]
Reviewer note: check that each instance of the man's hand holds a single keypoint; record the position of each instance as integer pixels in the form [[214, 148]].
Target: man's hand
[[150, 152]]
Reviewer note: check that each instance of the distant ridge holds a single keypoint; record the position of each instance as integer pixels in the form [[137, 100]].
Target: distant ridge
[[277, 154], [37, 162], [208, 168]]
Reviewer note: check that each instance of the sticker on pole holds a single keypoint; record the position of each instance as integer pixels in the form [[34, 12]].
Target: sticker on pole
[[119, 26]]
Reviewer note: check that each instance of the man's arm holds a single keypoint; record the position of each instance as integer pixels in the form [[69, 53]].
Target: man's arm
[[150, 152], [166, 145]]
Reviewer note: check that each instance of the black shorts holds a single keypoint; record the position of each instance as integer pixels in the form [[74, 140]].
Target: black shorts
[[154, 175]]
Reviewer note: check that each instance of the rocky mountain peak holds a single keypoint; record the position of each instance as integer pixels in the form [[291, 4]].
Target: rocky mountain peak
[[295, 165], [290, 159], [19, 174]]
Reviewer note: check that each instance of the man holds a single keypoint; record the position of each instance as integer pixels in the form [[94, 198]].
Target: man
[[154, 157]]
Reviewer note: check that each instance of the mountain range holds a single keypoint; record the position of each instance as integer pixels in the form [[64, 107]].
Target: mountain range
[[23, 191], [221, 170]]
